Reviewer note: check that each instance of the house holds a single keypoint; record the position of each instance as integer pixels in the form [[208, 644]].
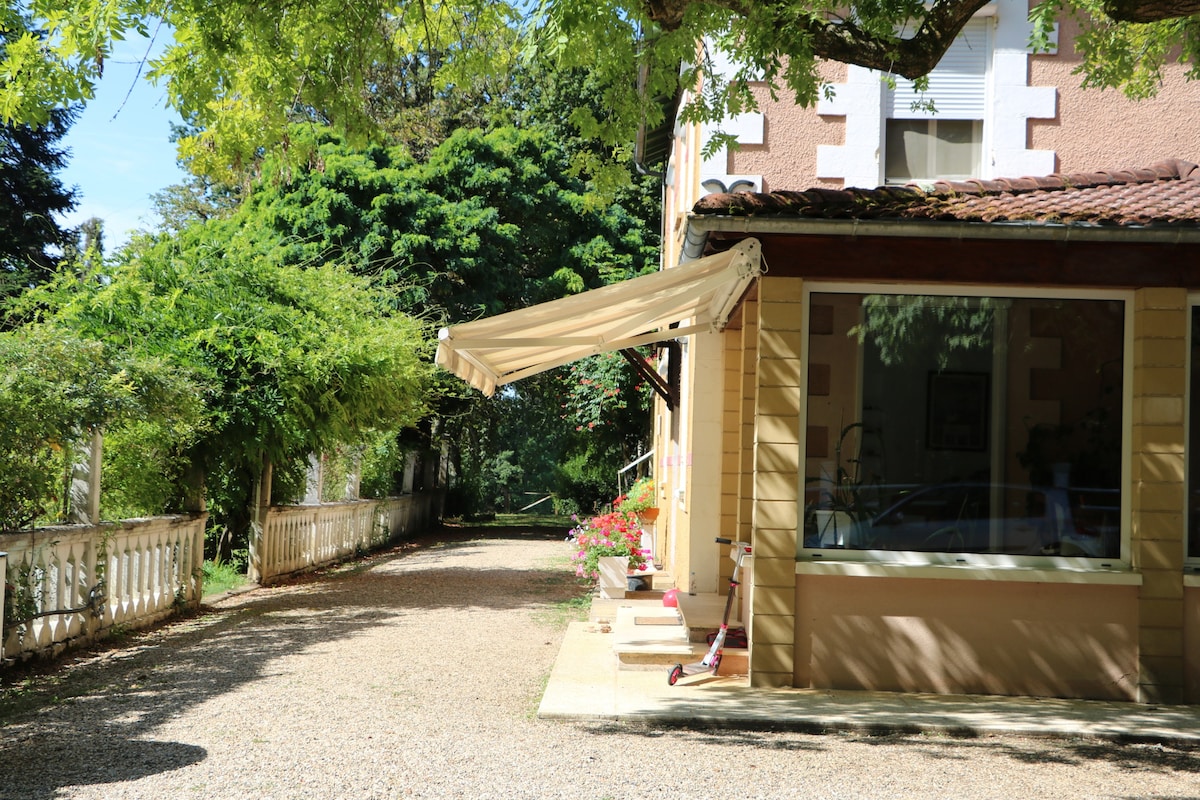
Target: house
[[950, 410]]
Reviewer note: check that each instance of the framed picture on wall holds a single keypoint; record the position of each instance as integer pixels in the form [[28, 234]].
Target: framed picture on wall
[[957, 417]]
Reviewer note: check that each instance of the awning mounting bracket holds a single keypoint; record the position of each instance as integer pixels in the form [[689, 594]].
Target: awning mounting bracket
[[667, 389]]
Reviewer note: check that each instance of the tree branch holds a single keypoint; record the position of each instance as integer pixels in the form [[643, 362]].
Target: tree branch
[[1150, 10], [842, 40]]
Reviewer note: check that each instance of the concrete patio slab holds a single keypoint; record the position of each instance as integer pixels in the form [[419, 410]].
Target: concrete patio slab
[[587, 683]]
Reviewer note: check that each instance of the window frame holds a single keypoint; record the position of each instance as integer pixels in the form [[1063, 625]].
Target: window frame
[[987, 564], [1191, 561]]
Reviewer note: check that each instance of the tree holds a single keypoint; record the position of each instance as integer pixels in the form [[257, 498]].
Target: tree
[[241, 71], [56, 387], [32, 197], [287, 360], [489, 222]]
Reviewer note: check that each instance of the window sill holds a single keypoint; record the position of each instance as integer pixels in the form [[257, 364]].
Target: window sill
[[973, 572], [1191, 581]]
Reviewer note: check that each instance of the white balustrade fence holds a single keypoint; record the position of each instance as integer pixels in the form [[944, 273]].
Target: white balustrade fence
[[71, 584], [296, 538]]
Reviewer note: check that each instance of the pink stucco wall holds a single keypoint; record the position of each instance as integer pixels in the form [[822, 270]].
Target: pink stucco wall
[[1101, 129], [788, 159], [1093, 130], [901, 634]]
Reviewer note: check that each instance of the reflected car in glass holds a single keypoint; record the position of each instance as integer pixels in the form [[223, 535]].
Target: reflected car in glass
[[985, 518]]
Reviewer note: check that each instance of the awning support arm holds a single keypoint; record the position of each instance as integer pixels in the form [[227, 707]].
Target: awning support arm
[[668, 389]]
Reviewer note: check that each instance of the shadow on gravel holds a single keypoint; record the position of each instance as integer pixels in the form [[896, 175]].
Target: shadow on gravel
[[1129, 756], [90, 719]]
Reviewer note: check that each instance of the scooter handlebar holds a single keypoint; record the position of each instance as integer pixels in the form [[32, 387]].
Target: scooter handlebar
[[720, 540]]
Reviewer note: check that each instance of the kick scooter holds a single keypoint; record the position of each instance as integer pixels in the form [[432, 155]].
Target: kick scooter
[[739, 553]]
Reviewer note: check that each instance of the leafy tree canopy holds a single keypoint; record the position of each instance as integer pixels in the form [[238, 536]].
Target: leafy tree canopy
[[241, 71], [285, 360], [32, 195], [487, 223]]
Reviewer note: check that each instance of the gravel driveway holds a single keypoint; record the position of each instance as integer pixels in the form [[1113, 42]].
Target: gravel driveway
[[417, 672]]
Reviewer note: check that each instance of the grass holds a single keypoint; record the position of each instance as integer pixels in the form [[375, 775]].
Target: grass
[[221, 577], [522, 521], [573, 609]]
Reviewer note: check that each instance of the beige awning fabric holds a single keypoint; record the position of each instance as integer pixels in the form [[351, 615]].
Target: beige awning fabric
[[698, 296]]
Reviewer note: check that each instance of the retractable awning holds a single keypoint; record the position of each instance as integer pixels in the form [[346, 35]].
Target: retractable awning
[[697, 296]]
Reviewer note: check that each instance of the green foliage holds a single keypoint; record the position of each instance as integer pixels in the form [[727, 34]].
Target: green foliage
[[1125, 56], [285, 360], [642, 495], [242, 72], [586, 478], [382, 467], [604, 397], [492, 221], [141, 469], [56, 386], [32, 198], [907, 327], [222, 576], [289, 480]]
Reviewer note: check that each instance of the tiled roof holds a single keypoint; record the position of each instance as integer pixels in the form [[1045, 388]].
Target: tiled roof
[[1167, 193]]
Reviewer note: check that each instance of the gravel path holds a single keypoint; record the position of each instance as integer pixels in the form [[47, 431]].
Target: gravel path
[[417, 673]]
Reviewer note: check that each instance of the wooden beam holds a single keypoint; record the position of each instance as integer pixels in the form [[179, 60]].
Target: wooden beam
[[668, 390]]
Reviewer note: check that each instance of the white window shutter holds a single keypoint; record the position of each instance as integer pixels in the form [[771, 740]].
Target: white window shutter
[[957, 85]]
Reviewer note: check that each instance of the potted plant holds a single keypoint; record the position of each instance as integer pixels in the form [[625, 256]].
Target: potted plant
[[641, 499], [609, 545]]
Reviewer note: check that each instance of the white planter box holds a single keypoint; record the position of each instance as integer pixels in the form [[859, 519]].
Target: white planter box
[[614, 571]]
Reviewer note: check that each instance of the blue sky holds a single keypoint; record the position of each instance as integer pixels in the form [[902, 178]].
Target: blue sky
[[120, 149]]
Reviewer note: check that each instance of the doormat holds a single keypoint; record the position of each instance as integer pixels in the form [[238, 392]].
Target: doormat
[[656, 621]]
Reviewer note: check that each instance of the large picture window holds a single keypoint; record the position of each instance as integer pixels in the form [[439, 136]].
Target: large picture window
[[964, 425]]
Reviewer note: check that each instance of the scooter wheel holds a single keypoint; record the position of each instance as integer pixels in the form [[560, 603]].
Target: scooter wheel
[[675, 674], [716, 663]]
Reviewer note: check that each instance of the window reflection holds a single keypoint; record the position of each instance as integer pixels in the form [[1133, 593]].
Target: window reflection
[[964, 424]]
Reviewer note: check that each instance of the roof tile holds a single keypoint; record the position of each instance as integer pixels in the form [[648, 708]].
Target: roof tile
[[1165, 193]]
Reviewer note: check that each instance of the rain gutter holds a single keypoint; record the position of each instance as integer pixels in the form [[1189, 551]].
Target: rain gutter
[[701, 226]]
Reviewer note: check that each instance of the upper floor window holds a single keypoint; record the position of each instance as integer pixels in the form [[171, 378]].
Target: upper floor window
[[927, 149], [938, 133]]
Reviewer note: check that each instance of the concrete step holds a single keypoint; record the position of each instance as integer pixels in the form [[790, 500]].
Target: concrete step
[[649, 637], [702, 613], [647, 634]]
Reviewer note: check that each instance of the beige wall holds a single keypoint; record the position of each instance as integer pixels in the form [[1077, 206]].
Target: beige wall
[[777, 472], [1160, 327], [966, 637]]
